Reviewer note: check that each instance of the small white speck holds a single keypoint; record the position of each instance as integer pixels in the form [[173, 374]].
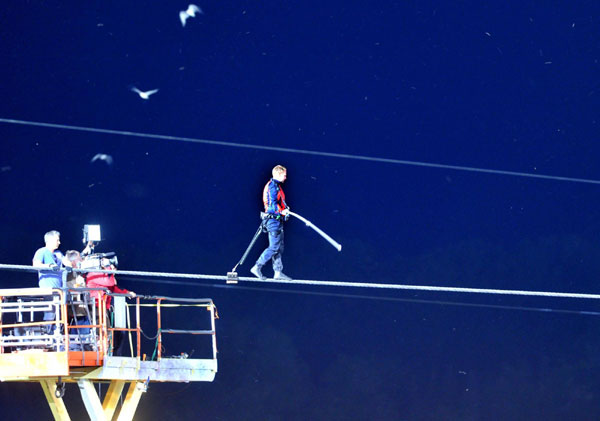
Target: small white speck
[[547, 62], [488, 34]]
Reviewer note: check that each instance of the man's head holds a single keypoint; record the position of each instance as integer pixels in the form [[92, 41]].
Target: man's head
[[52, 240], [74, 257], [279, 173]]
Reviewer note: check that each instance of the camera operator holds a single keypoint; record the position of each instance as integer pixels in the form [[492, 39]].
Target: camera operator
[[108, 281], [105, 280]]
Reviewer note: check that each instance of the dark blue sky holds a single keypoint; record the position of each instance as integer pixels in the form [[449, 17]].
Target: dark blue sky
[[504, 85]]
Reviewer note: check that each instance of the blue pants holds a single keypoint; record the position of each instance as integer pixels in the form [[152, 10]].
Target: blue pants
[[48, 282], [81, 321], [275, 249]]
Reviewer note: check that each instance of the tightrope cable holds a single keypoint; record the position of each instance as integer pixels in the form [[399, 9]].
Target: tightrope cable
[[368, 297], [325, 283]]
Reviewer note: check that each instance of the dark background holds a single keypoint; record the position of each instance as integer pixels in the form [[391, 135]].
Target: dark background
[[508, 85]]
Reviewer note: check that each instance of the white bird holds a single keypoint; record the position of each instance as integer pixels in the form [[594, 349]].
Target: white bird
[[144, 95], [189, 13], [103, 157]]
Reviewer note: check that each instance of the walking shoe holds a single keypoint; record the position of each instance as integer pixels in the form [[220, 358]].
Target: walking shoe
[[256, 272], [281, 276]]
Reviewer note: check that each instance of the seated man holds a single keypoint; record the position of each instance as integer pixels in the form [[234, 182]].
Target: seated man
[[79, 313]]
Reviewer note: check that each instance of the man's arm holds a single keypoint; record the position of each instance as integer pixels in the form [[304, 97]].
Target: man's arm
[[39, 258], [272, 198], [88, 248]]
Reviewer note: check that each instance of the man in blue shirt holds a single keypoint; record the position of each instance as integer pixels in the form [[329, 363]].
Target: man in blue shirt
[[50, 257]]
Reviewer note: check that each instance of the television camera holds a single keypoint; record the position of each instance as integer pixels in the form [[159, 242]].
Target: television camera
[[91, 260]]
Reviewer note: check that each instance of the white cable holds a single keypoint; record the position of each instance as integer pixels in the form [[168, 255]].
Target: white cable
[[330, 283], [366, 297], [301, 151]]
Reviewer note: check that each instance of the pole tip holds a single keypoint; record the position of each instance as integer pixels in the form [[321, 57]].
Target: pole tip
[[232, 277]]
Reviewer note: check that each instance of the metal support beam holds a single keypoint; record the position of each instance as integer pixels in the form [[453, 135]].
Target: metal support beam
[[57, 406], [91, 400], [134, 393], [112, 398]]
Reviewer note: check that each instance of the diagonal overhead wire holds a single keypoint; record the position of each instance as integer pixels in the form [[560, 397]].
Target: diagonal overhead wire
[[300, 151], [366, 297]]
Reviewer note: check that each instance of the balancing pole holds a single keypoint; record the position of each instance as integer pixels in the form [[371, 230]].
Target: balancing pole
[[330, 240]]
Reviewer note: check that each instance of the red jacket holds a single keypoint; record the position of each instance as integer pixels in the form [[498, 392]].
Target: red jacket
[[103, 280]]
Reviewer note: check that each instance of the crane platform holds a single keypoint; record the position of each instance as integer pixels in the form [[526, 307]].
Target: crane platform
[[76, 335]]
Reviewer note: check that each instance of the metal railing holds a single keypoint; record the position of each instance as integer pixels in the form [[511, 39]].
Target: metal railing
[[206, 303], [82, 322]]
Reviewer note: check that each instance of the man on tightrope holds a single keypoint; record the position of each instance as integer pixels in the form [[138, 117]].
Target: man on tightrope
[[276, 212]]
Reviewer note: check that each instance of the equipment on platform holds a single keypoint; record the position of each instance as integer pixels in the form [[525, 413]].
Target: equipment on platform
[[91, 233], [98, 261]]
